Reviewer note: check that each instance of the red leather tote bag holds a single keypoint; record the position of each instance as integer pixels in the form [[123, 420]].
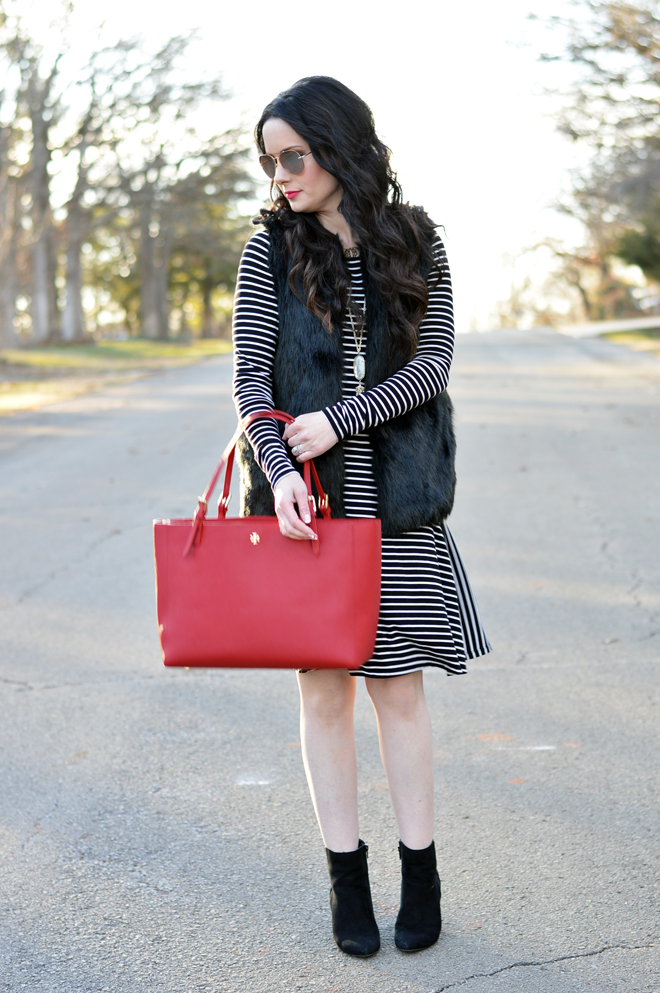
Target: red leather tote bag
[[234, 592]]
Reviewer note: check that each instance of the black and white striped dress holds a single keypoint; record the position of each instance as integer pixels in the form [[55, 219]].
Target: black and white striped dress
[[428, 615]]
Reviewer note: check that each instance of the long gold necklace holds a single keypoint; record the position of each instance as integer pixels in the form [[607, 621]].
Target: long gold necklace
[[359, 364]]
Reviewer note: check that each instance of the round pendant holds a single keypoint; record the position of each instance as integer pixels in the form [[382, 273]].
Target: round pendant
[[359, 367]]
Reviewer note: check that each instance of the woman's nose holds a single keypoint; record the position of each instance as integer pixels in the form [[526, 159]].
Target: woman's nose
[[281, 175]]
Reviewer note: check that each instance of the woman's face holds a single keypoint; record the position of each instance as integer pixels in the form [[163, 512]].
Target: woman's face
[[314, 190]]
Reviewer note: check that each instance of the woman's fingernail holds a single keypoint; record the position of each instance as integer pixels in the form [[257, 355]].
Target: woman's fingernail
[[307, 518]]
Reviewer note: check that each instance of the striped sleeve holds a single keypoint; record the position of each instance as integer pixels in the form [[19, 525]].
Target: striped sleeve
[[426, 375], [255, 330]]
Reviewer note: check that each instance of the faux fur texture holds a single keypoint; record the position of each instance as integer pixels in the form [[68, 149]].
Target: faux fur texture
[[413, 455]]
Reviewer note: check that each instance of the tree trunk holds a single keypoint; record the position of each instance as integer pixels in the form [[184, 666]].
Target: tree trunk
[[208, 328], [44, 296], [149, 316], [586, 302], [9, 234], [184, 330], [44, 300], [163, 281], [8, 288], [9, 238], [73, 324]]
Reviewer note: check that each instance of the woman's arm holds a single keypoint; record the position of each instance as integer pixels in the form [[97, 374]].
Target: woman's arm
[[255, 329], [422, 378]]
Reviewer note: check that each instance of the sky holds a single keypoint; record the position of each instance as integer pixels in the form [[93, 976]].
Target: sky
[[457, 90]]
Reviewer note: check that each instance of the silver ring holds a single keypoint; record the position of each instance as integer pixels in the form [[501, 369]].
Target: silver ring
[[296, 449]]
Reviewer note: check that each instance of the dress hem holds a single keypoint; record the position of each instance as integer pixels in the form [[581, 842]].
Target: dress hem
[[460, 670]]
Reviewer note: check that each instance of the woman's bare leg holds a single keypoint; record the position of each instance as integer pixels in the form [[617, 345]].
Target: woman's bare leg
[[406, 748], [327, 698]]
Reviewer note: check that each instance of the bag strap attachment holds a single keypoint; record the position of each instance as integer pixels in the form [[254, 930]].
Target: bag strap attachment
[[227, 460]]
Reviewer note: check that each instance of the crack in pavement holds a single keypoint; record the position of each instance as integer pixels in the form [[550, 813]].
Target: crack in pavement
[[561, 958], [15, 682], [179, 674], [647, 637], [84, 684]]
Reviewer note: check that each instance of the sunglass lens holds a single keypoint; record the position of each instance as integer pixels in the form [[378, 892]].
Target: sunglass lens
[[267, 163], [293, 162]]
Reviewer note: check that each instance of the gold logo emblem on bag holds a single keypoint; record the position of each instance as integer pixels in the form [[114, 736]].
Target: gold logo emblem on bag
[[254, 538]]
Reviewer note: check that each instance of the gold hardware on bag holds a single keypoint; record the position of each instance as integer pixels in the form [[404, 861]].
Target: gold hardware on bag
[[254, 538]]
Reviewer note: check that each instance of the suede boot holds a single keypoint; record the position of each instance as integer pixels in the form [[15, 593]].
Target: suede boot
[[419, 921], [353, 923]]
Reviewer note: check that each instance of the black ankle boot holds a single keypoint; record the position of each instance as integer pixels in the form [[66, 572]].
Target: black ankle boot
[[353, 922], [419, 922]]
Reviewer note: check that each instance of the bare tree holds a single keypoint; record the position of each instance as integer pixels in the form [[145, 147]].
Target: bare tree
[[207, 233], [134, 95], [11, 188], [123, 130], [165, 165], [38, 100], [38, 95], [613, 106], [630, 183], [615, 47]]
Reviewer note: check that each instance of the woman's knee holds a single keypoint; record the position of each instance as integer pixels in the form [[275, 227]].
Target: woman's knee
[[400, 696], [327, 695]]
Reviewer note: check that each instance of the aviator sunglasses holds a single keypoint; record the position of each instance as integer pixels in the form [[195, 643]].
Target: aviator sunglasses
[[290, 160]]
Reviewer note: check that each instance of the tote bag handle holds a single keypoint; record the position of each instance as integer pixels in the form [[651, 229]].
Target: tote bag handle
[[227, 459]]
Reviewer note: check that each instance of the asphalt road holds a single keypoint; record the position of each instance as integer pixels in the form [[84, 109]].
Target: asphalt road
[[155, 829]]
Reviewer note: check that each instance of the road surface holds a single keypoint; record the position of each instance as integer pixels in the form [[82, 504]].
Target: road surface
[[155, 829]]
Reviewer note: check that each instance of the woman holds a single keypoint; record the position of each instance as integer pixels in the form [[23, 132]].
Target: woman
[[343, 318]]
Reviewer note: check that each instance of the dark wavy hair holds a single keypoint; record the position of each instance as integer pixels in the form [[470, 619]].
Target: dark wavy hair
[[394, 237]]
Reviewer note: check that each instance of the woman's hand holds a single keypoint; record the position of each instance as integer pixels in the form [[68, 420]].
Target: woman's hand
[[290, 493], [309, 436]]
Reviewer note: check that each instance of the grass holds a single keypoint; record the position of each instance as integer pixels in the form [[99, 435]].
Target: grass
[[104, 355], [31, 378], [641, 341]]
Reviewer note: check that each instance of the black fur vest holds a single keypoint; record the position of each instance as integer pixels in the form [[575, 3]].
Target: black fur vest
[[413, 455]]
